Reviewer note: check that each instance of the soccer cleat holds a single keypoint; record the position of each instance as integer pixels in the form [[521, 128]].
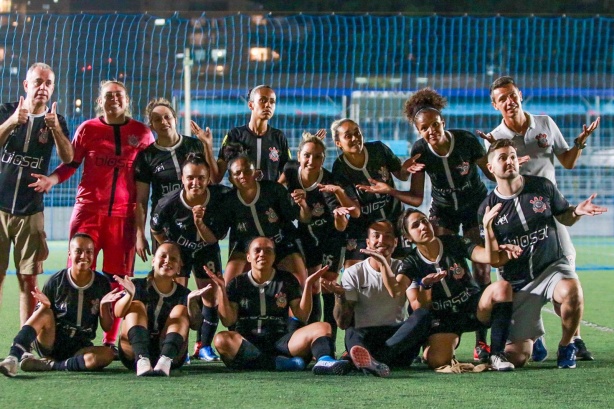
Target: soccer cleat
[[207, 354], [114, 349], [163, 367], [188, 360], [328, 365], [499, 362], [31, 364], [566, 356], [197, 346], [362, 360], [143, 367], [481, 352], [8, 367], [286, 364], [539, 353], [582, 353]]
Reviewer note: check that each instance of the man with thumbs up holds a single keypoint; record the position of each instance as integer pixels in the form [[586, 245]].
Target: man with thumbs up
[[28, 132]]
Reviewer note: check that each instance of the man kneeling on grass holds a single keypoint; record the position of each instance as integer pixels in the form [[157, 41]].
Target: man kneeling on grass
[[66, 319], [258, 303]]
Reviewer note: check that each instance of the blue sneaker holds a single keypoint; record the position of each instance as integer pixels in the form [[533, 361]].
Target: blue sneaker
[[285, 364], [207, 354], [328, 365], [540, 353], [566, 356]]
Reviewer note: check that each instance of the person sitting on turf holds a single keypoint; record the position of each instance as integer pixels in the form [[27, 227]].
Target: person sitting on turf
[[257, 303], [155, 313], [438, 277], [370, 307], [66, 319]]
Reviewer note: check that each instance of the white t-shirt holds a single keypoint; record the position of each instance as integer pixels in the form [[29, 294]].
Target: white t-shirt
[[374, 306]]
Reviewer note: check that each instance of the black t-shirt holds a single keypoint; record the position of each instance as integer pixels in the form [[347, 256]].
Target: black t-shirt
[[263, 308], [457, 287], [160, 166], [27, 150], [76, 309], [322, 222], [268, 152], [454, 177], [159, 305], [379, 164], [174, 217], [527, 220]]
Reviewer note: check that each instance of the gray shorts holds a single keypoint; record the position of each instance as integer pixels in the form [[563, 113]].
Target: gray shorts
[[526, 318]]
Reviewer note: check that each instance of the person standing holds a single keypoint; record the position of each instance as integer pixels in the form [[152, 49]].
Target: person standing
[[28, 132]]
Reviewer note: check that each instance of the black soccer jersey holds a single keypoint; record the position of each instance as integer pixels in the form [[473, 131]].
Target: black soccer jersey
[[457, 287], [321, 204], [160, 166], [380, 162], [158, 305], [27, 150], [270, 214], [76, 309], [174, 217], [268, 152], [527, 220], [454, 177], [263, 308]]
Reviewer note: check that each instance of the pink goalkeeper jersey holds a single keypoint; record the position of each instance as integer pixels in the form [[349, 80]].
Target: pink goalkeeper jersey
[[107, 152]]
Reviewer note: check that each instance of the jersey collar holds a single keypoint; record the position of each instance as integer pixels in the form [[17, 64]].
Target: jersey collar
[[255, 284], [85, 287], [364, 166], [439, 256], [316, 183]]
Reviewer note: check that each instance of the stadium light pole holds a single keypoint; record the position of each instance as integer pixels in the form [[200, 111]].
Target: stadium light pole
[[187, 92]]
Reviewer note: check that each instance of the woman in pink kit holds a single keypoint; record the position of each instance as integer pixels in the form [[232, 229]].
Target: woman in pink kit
[[106, 197]]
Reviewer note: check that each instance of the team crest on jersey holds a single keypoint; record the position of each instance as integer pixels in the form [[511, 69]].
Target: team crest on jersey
[[463, 168], [272, 216], [274, 154], [457, 271], [244, 303], [383, 171], [242, 226], [43, 135], [351, 245], [542, 140], [539, 206], [133, 141], [95, 307], [281, 300], [317, 210], [159, 168], [154, 218], [501, 220], [180, 225]]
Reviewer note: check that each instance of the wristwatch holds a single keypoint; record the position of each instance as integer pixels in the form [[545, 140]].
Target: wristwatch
[[577, 144]]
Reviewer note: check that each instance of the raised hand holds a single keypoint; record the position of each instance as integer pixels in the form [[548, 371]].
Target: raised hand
[[587, 208], [513, 251], [377, 256], [43, 183], [587, 130], [523, 159], [198, 212], [111, 297], [486, 136], [218, 280], [412, 166], [299, 196], [376, 187], [313, 278], [126, 284], [343, 211], [203, 135], [321, 134], [51, 118], [490, 214], [328, 188], [434, 278], [40, 297], [333, 287], [20, 116]]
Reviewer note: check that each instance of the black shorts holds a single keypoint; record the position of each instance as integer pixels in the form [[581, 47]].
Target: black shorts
[[448, 218], [155, 345], [63, 347], [465, 320], [267, 348], [330, 251], [283, 249], [209, 256]]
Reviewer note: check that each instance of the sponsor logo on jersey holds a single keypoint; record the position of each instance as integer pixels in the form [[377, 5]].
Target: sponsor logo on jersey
[[95, 307], [180, 224], [24, 161], [538, 204], [133, 141], [501, 220], [43, 135], [113, 162], [351, 245], [242, 226], [159, 168], [542, 140], [457, 271], [317, 210], [274, 154], [272, 216], [463, 168], [383, 171], [244, 303], [281, 300]]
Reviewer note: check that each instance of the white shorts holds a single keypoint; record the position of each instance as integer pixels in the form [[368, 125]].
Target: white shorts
[[528, 302]]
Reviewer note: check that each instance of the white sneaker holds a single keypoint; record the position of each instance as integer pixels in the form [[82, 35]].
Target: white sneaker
[[143, 367], [163, 366], [499, 362], [32, 364], [8, 367]]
